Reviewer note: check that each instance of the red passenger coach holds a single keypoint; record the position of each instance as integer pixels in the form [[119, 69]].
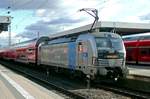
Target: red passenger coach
[[22, 52], [25, 52], [7, 53], [137, 48]]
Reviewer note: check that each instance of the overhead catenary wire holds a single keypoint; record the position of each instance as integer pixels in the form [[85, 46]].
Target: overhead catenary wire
[[4, 11], [26, 16], [40, 6]]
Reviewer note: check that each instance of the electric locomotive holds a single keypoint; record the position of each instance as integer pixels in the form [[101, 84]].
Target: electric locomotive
[[94, 54]]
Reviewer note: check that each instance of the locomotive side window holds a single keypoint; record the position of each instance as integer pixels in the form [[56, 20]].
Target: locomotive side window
[[80, 47]]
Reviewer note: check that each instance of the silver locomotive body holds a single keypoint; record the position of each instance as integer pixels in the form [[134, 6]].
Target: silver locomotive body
[[93, 54]]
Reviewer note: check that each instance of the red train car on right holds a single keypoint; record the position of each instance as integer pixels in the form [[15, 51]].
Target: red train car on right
[[137, 48]]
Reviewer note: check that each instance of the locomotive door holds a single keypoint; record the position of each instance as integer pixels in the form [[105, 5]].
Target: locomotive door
[[72, 55], [82, 54]]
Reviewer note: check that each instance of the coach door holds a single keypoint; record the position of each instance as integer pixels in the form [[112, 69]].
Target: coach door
[[82, 54]]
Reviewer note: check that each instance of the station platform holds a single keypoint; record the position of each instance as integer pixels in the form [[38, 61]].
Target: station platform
[[139, 70], [14, 86], [5, 93]]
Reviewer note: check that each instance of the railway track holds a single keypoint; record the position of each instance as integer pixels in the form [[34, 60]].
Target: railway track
[[43, 78], [135, 94]]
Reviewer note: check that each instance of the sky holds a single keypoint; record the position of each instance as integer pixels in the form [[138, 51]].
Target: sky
[[30, 17]]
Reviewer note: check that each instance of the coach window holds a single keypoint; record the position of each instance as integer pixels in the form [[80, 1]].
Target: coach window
[[129, 50], [145, 51], [146, 38], [127, 38], [134, 38], [30, 50]]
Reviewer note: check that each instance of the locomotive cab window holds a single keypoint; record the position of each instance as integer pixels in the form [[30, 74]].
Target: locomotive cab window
[[103, 42], [116, 43]]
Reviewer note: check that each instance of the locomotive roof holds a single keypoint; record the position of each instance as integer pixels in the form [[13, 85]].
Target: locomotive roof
[[123, 28]]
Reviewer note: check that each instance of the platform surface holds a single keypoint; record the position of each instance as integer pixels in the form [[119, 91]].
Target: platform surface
[[140, 70], [15, 86]]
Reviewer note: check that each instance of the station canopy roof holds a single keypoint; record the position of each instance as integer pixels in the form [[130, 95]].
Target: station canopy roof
[[4, 22], [122, 28]]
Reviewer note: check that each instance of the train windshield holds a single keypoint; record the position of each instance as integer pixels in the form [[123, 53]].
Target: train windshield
[[102, 42], [105, 43], [116, 43]]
